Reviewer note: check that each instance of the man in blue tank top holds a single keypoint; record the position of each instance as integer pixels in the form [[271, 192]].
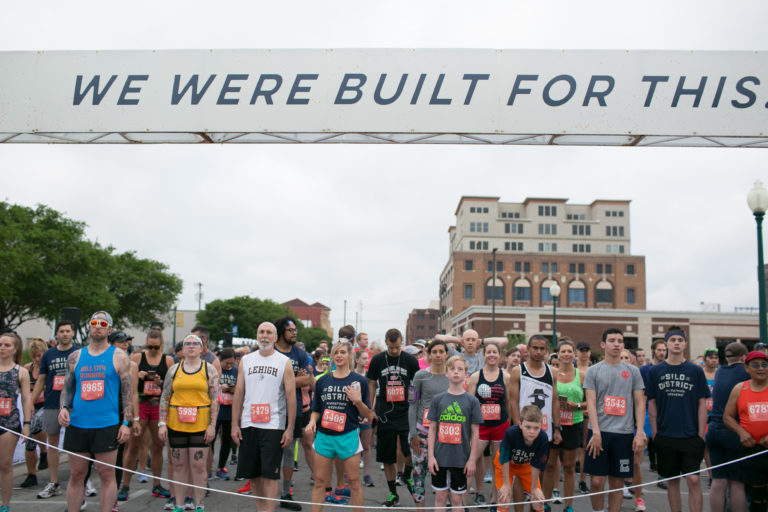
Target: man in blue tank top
[[96, 375]]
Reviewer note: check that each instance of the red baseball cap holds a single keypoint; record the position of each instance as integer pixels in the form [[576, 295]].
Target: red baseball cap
[[756, 354]]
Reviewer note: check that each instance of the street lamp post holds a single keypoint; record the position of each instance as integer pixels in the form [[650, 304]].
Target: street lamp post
[[493, 296], [554, 291], [757, 199], [175, 310]]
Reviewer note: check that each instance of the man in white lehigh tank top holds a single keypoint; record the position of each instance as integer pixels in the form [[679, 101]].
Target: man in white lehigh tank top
[[259, 415]]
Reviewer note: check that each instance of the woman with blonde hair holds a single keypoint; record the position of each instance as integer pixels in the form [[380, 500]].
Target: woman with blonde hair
[[36, 348]]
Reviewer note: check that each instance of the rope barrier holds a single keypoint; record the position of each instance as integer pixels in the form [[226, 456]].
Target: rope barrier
[[381, 507]]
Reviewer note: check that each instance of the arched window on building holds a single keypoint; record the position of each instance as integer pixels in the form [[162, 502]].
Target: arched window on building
[[546, 297], [522, 292], [604, 294], [499, 291], [577, 294]]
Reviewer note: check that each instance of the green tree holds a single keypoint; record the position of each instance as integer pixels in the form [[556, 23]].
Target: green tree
[[47, 264], [312, 336], [247, 313]]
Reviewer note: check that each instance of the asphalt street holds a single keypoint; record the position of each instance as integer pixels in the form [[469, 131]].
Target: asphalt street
[[141, 500]]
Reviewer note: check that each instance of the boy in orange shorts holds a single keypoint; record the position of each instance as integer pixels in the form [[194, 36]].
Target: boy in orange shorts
[[523, 454]]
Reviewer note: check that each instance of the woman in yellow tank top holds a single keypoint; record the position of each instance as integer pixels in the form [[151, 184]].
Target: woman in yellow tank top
[[188, 411]]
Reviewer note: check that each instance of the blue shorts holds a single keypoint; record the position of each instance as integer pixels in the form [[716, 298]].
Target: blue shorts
[[616, 459], [342, 446], [724, 446]]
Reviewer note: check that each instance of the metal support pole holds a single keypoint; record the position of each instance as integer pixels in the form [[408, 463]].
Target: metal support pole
[[493, 296], [761, 277], [554, 323]]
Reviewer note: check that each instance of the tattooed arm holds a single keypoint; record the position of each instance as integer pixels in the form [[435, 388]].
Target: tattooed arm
[[123, 367], [214, 388], [165, 402], [68, 391]]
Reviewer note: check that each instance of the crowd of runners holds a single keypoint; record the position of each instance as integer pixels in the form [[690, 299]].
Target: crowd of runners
[[481, 422]]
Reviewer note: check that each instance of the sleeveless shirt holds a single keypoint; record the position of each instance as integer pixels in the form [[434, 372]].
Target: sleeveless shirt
[[190, 390], [144, 366], [574, 393], [264, 391], [753, 411], [537, 391], [9, 392], [97, 387], [492, 393]]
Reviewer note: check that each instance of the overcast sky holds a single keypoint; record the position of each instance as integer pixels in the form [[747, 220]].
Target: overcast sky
[[369, 222]]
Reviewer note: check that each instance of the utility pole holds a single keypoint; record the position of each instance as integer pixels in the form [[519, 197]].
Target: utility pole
[[199, 296], [356, 325], [345, 311]]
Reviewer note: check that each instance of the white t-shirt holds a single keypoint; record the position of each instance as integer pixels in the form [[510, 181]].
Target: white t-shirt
[[264, 398]]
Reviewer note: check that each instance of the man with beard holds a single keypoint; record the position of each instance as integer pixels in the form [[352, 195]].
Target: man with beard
[[287, 332], [97, 376], [264, 406]]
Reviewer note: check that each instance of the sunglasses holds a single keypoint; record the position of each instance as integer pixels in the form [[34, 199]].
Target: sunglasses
[[756, 366], [192, 344], [101, 323], [153, 347]]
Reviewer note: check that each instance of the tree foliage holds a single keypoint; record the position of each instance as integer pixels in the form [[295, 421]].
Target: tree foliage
[[48, 264], [247, 313]]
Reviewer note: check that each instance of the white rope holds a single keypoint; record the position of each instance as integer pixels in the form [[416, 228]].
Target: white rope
[[368, 507]]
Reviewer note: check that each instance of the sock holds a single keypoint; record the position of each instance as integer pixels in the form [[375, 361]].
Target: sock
[[392, 487], [286, 487], [407, 472]]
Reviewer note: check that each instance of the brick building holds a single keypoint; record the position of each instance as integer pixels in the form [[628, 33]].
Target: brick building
[[311, 315], [585, 248], [422, 323]]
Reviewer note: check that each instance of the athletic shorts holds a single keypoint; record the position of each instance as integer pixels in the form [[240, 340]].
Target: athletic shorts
[[90, 440], [342, 446], [264, 453], [178, 439], [724, 446], [51, 421], [493, 433], [756, 468], [149, 412], [676, 456], [521, 471], [301, 421], [573, 435], [616, 459], [386, 443], [458, 483]]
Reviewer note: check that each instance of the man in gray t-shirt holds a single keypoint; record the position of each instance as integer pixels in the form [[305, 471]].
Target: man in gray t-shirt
[[611, 382], [615, 402]]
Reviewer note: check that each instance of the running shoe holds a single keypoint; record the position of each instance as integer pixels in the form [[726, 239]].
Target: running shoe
[[30, 481], [479, 499], [399, 480], [392, 500], [625, 492], [331, 498], [343, 492], [583, 489], [488, 477], [493, 508], [143, 478], [286, 501], [210, 475], [189, 503], [90, 490], [123, 493], [368, 481], [556, 496], [628, 485], [409, 486], [50, 490], [568, 508], [170, 504], [639, 505], [221, 474], [200, 508], [159, 491], [178, 509], [115, 508], [5, 508], [547, 507], [661, 485], [246, 489], [295, 465], [43, 463], [233, 460], [84, 504]]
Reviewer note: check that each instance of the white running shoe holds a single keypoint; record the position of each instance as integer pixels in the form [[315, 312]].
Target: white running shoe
[[90, 490]]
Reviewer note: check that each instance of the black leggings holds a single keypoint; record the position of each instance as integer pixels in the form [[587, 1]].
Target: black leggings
[[224, 427]]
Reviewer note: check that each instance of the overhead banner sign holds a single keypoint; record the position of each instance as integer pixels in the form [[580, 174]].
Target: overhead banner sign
[[435, 91]]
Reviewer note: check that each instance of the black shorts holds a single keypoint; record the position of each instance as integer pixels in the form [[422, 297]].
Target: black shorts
[[676, 456], [458, 484], [616, 459], [302, 420], [264, 453], [91, 440], [386, 443], [756, 468], [724, 446], [573, 435], [178, 439]]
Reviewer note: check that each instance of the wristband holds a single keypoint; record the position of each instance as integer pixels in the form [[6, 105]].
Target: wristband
[[161, 424], [137, 418], [126, 423], [27, 422]]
